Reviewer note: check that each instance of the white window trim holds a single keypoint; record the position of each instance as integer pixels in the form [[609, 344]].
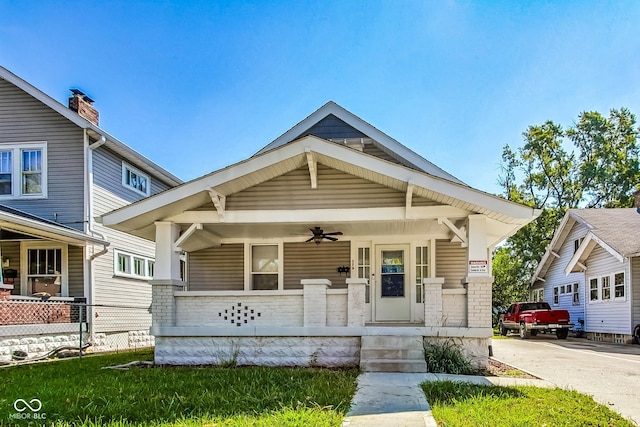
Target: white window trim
[[131, 256], [24, 265], [126, 166], [598, 288], [575, 292], [248, 274], [16, 170], [613, 286]]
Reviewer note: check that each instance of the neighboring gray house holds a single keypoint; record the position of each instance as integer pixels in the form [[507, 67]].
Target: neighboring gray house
[[592, 269], [59, 171]]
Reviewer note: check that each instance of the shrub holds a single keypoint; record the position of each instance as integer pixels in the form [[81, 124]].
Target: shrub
[[446, 357]]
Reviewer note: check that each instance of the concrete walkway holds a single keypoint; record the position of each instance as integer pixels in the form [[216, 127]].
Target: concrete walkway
[[396, 399]]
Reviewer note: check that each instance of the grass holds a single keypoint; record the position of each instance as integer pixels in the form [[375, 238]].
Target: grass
[[80, 393], [465, 404]]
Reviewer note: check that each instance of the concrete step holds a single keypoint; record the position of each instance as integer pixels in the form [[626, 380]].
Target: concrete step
[[391, 353], [393, 365], [391, 341]]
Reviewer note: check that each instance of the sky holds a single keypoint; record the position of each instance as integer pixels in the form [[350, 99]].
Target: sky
[[199, 85]]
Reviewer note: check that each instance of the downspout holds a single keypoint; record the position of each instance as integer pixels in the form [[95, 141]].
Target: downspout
[[90, 224]]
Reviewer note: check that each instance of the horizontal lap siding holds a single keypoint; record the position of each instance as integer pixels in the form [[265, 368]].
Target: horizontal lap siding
[[335, 190], [24, 119], [635, 286], [109, 194], [11, 250], [451, 263], [607, 316], [217, 269], [76, 271], [311, 261]]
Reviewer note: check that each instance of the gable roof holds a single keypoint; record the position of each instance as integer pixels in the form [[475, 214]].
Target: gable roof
[[379, 139], [96, 132], [138, 218], [615, 230]]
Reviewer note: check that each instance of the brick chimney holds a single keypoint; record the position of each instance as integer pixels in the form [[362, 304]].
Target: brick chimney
[[83, 105]]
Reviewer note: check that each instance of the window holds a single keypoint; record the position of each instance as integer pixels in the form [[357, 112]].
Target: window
[[618, 285], [576, 294], [593, 289], [556, 295], [44, 272], [562, 291], [422, 270], [134, 266], [364, 270], [23, 171], [135, 180], [606, 287], [264, 267], [576, 244], [537, 295]]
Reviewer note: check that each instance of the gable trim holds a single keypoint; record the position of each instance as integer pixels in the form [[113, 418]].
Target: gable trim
[[585, 249], [371, 131]]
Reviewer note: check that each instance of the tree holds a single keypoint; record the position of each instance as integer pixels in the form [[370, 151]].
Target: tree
[[592, 164]]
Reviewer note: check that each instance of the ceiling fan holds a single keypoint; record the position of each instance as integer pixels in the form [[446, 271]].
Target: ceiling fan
[[319, 234]]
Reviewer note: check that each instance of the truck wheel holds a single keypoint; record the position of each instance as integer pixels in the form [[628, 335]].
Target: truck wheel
[[562, 334], [534, 332], [503, 331], [524, 333]]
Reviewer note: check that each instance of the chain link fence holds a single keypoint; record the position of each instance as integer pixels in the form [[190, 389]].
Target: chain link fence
[[34, 329]]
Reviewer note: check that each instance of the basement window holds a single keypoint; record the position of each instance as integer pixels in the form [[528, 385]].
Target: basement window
[[135, 180]]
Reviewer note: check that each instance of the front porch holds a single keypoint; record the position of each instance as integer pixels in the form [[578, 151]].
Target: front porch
[[313, 326]]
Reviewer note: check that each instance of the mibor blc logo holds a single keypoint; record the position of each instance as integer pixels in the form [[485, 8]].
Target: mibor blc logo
[[28, 410]]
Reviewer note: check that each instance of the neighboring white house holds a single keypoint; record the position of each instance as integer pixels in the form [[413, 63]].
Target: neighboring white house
[[592, 269], [58, 171], [333, 245]]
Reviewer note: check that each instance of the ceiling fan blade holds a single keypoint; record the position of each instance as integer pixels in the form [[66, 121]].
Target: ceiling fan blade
[[333, 239], [310, 240], [335, 233]]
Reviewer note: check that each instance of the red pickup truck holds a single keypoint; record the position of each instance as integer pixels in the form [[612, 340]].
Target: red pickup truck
[[530, 317]]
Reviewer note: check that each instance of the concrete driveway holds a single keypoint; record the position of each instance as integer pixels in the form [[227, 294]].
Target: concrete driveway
[[608, 372]]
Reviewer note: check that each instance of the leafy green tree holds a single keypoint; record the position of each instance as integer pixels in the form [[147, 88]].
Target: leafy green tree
[[592, 164]]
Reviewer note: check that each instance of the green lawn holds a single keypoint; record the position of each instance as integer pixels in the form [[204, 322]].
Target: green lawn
[[78, 392], [464, 404]]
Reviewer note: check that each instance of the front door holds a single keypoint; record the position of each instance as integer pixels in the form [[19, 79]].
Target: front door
[[392, 300]]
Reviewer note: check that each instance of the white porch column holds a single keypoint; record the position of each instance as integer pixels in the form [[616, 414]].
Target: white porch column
[[166, 278], [356, 301], [315, 301], [433, 315], [478, 281]]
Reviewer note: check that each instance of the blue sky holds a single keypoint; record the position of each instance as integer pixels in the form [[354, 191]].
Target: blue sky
[[198, 85]]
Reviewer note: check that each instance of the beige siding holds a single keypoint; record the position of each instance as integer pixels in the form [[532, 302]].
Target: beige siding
[[311, 261], [335, 190], [217, 269], [451, 263], [24, 119], [635, 287], [612, 316], [76, 271], [11, 250]]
